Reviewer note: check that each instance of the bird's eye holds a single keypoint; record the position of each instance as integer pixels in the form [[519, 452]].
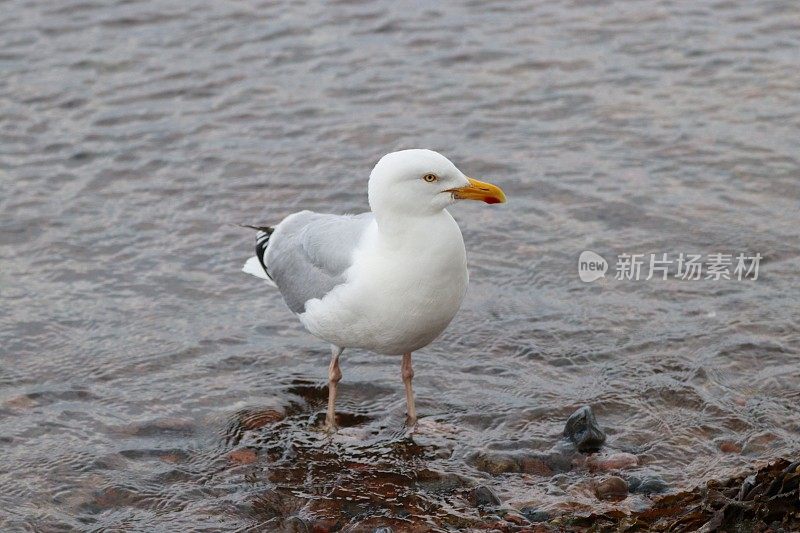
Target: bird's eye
[[430, 178]]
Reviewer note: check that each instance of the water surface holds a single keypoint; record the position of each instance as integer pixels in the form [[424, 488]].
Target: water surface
[[146, 383]]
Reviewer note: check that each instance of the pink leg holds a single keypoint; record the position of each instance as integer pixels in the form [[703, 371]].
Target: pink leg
[[408, 375], [334, 376]]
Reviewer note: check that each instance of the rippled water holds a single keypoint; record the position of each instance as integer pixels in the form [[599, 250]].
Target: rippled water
[[145, 382]]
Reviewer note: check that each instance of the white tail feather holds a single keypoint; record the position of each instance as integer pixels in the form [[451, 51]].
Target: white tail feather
[[254, 268]]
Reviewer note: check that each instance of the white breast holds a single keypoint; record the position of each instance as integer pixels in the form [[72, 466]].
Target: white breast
[[401, 292]]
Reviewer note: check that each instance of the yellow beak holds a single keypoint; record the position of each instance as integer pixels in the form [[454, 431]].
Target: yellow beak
[[479, 190]]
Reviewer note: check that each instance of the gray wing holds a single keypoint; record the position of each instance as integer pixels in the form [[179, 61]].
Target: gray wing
[[309, 252]]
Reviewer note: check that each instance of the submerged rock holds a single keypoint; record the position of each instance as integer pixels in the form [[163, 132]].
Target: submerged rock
[[647, 484], [497, 463], [615, 461], [562, 459], [728, 446], [538, 466], [582, 436], [612, 488], [765, 500], [255, 419], [483, 496], [515, 518], [534, 515], [243, 456], [582, 429], [160, 427]]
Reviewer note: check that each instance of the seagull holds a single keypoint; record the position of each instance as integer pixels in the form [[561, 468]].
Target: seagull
[[389, 280]]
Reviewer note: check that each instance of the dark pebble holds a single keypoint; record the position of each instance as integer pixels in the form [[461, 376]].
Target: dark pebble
[[647, 484], [483, 496], [535, 515], [582, 429], [612, 488]]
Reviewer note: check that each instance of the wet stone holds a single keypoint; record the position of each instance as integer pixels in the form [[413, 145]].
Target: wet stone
[[554, 491], [483, 496], [515, 518], [584, 432], [647, 485], [765, 500], [535, 515], [562, 460], [441, 483], [427, 475], [536, 466], [497, 463], [615, 461], [116, 497], [758, 444], [612, 488]]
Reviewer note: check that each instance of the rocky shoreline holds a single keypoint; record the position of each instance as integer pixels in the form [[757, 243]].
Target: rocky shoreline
[[764, 500], [341, 487]]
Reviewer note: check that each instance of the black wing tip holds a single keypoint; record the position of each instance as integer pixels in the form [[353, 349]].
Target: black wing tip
[[262, 241], [266, 229]]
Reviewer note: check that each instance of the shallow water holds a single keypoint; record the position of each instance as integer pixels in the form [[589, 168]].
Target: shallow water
[[146, 383]]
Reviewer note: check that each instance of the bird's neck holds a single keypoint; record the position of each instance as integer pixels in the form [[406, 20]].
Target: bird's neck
[[401, 230]]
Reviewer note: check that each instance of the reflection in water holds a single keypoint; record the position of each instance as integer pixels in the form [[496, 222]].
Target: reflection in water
[[145, 383]]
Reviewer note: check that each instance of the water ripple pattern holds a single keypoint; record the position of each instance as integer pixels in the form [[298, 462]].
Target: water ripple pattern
[[145, 382]]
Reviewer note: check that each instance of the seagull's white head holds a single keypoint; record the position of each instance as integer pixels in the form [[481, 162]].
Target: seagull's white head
[[422, 182]]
